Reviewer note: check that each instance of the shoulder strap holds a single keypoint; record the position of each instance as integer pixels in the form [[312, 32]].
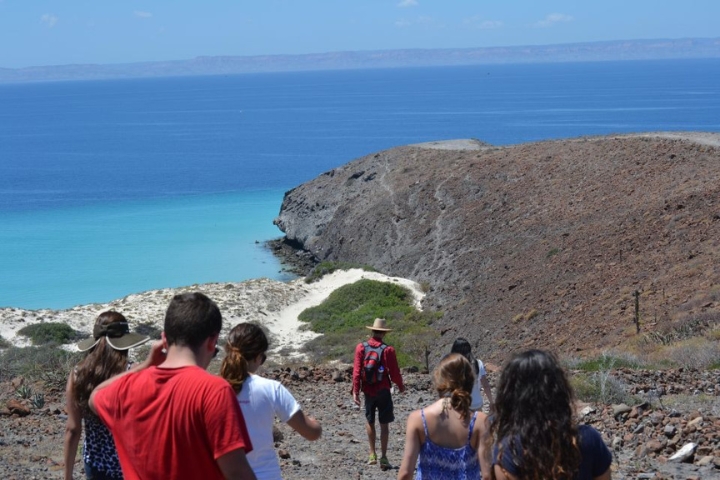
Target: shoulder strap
[[422, 414], [472, 425]]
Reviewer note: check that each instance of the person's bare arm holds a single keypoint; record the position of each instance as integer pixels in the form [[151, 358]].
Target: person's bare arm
[[155, 357], [484, 443], [412, 447], [305, 425], [234, 465], [73, 429], [487, 389]]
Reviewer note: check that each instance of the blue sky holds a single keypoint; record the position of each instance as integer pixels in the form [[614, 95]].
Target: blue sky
[[53, 32]]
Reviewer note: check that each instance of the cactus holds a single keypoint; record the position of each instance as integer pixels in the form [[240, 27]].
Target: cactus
[[38, 400], [24, 392]]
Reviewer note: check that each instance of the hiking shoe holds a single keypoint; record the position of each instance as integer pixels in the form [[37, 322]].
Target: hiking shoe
[[373, 459], [384, 464]]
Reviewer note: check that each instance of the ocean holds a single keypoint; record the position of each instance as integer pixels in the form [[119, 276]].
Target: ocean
[[108, 188]]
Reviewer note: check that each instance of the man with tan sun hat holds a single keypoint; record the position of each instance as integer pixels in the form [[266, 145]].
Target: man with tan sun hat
[[375, 366]]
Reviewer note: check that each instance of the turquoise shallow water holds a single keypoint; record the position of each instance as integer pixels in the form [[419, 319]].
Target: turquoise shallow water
[[113, 187], [98, 253]]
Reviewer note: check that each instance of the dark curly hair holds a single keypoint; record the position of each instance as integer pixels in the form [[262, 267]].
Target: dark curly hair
[[533, 418], [454, 378], [101, 362], [245, 342]]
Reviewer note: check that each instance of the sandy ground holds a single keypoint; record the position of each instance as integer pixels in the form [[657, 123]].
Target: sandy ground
[[276, 305]]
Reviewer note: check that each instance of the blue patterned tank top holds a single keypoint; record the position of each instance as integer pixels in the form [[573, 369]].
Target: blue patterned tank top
[[441, 463], [99, 447]]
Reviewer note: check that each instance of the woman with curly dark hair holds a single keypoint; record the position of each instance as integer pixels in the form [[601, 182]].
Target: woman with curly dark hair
[[107, 356], [536, 434], [261, 399], [446, 439]]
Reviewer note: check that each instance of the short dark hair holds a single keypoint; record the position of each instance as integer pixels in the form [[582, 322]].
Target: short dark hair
[[191, 318], [462, 346]]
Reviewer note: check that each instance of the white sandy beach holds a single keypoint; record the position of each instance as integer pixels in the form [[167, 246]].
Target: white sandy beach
[[276, 305]]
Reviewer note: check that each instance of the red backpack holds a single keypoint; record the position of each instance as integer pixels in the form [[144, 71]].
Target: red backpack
[[372, 364]]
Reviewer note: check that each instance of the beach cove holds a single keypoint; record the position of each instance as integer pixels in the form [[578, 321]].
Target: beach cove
[[273, 304]]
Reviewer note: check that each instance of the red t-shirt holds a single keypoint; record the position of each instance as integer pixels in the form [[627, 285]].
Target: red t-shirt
[[172, 423], [389, 361]]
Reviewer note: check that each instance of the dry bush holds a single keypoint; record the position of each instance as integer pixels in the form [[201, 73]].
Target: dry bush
[[697, 353], [601, 387], [694, 326]]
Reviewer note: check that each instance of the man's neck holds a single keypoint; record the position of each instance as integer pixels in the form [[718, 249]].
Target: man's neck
[[180, 356]]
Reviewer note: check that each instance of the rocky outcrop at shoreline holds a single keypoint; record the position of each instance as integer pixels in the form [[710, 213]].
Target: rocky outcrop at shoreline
[[541, 244]]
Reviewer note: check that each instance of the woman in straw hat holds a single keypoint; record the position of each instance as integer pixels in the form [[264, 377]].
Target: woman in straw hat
[[106, 356]]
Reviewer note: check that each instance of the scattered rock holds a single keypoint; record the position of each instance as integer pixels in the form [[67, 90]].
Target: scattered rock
[[17, 408], [620, 409], [684, 453]]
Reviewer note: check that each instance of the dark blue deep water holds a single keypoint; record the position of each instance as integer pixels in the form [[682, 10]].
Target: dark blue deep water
[[114, 187]]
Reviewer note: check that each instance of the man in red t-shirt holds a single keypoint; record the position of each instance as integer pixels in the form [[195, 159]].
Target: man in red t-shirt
[[377, 394], [169, 417]]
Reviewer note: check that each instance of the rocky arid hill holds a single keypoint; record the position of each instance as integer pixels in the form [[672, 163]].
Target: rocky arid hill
[[541, 244]]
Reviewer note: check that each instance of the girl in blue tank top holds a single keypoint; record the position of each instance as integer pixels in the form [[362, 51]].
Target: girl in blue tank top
[[446, 440]]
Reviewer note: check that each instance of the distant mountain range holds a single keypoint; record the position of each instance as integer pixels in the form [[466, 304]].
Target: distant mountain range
[[229, 65]]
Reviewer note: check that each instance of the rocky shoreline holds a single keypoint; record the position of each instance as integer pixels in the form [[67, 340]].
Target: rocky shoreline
[[293, 258]]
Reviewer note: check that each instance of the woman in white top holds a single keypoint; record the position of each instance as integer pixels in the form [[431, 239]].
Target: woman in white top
[[261, 399], [462, 346]]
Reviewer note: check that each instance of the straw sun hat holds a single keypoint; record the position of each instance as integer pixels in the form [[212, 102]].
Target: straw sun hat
[[117, 334], [380, 325]]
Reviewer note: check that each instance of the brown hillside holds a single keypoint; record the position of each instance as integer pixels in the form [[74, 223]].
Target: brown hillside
[[538, 244]]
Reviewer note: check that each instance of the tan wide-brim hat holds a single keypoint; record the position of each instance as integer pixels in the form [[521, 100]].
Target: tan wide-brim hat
[[117, 335], [380, 325]]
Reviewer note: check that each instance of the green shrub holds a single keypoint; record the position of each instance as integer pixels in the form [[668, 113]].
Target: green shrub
[[50, 332], [326, 268], [552, 252], [343, 316], [4, 343], [357, 305], [605, 362], [48, 364]]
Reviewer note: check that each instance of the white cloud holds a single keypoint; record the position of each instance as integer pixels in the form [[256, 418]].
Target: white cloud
[[49, 19], [422, 20], [478, 22], [407, 3], [141, 14], [552, 19]]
